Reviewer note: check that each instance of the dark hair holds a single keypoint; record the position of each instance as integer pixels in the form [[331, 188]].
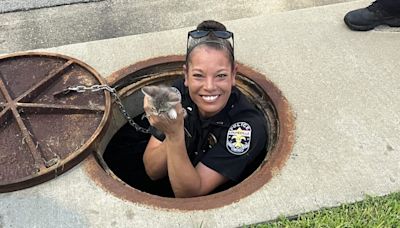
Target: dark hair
[[211, 25], [212, 41]]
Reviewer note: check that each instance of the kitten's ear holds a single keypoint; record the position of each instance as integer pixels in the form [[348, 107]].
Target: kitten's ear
[[149, 90], [174, 97]]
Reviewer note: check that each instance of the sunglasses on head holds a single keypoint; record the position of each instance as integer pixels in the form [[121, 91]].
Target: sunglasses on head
[[197, 34], [202, 33]]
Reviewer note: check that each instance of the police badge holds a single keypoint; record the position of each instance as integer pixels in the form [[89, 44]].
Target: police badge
[[238, 138]]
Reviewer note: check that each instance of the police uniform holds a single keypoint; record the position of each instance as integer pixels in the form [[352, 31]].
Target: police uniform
[[227, 142]]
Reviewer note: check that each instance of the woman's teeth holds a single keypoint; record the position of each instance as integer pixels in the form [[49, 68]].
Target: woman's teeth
[[210, 98]]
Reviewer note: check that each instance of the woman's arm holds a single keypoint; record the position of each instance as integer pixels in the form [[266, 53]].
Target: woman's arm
[[186, 180], [155, 159], [170, 157]]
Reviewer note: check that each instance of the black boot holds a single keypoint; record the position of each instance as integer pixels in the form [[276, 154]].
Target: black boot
[[368, 18]]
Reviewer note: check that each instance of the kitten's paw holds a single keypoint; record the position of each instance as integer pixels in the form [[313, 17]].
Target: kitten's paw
[[172, 114], [184, 112]]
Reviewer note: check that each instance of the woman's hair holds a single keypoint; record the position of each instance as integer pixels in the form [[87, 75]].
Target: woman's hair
[[211, 41], [211, 25]]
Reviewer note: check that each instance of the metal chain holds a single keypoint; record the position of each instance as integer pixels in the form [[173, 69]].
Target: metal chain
[[113, 91]]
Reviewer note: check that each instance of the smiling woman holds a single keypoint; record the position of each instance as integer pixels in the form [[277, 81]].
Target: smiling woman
[[211, 80], [225, 131]]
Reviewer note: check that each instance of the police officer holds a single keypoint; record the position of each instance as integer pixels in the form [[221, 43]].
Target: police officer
[[222, 132]]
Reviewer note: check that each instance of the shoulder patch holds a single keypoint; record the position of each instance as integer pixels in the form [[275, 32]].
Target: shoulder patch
[[238, 138]]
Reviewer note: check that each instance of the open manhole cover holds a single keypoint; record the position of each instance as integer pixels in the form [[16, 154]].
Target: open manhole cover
[[43, 135]]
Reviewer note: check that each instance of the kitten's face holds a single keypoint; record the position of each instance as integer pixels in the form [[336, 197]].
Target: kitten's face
[[161, 98], [209, 78]]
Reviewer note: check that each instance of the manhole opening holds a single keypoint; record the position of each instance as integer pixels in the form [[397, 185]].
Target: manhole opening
[[126, 179]]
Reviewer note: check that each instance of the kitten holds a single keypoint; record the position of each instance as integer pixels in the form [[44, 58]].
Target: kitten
[[162, 100]]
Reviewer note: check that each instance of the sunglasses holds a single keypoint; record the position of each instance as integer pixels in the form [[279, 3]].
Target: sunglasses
[[197, 34], [202, 33]]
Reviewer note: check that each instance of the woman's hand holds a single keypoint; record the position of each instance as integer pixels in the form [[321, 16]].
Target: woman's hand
[[169, 127]]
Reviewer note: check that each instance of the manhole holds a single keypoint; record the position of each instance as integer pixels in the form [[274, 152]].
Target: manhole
[[255, 86], [42, 135]]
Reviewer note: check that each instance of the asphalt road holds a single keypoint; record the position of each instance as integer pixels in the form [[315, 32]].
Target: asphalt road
[[44, 24], [7, 6]]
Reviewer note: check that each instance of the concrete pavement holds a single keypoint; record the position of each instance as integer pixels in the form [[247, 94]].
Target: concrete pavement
[[77, 23], [342, 86], [7, 6]]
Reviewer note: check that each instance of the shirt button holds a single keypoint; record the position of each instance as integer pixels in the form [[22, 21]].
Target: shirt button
[[196, 153]]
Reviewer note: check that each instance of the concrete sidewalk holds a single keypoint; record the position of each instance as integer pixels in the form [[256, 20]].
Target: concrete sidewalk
[[343, 87]]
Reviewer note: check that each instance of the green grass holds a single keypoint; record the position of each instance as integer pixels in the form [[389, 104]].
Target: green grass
[[372, 212]]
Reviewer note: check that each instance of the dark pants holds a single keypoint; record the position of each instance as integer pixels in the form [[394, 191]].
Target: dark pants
[[391, 6]]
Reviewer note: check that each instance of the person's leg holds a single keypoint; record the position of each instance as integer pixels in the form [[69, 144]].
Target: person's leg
[[380, 12], [391, 6]]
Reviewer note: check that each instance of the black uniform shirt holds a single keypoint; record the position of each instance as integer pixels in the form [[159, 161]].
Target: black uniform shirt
[[226, 142]]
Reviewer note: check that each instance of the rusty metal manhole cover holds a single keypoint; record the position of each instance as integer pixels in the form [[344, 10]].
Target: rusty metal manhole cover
[[41, 135]]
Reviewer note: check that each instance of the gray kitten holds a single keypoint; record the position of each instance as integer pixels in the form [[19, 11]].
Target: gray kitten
[[162, 100]]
